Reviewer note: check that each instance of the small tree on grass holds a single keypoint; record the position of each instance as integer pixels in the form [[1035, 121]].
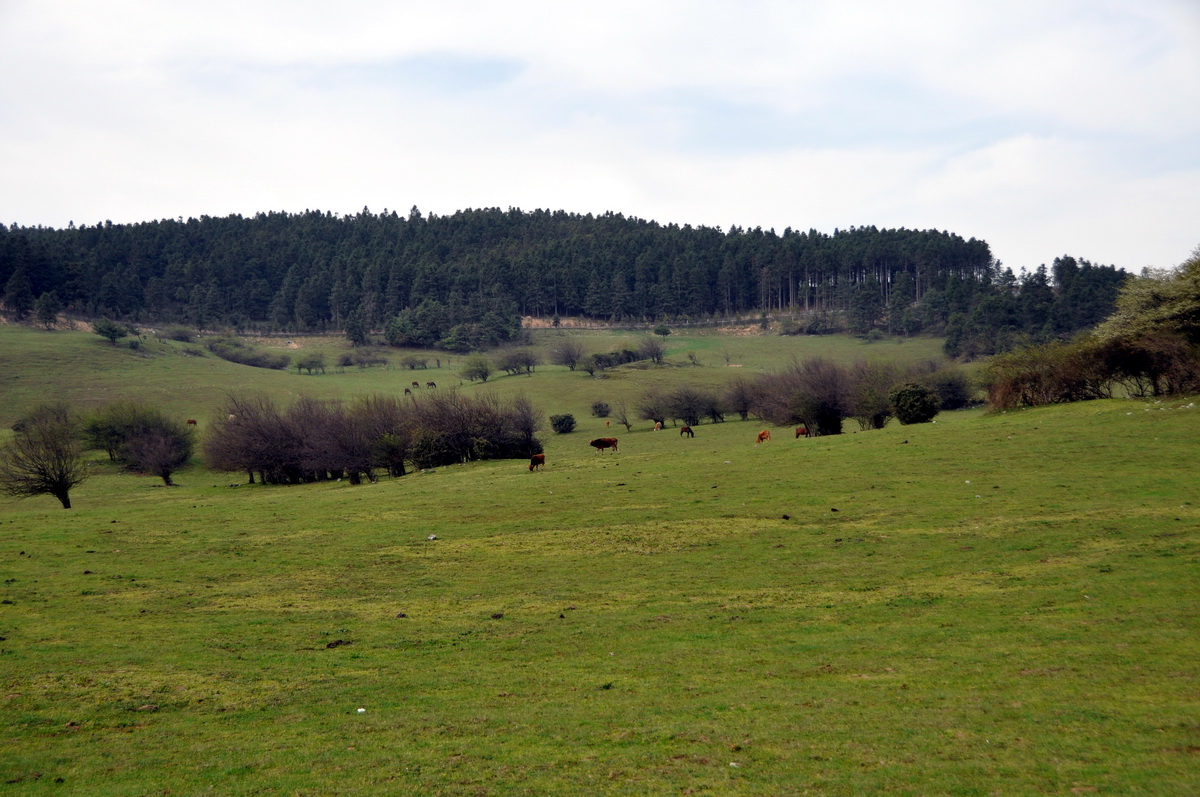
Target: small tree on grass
[[601, 409], [562, 423], [662, 330], [160, 451], [568, 352], [311, 363], [477, 367], [46, 309], [652, 350], [915, 403], [44, 457], [621, 415], [107, 328]]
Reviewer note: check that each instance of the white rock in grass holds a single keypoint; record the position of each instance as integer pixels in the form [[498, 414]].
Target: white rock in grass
[[362, 711]]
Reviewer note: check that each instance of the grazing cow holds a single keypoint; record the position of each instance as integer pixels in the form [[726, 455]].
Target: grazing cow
[[686, 430], [763, 436], [537, 461], [191, 422], [658, 426], [417, 385], [431, 384], [801, 431], [608, 423], [601, 443]]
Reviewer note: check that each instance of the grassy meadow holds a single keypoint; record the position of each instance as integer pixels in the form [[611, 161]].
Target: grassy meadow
[[989, 604]]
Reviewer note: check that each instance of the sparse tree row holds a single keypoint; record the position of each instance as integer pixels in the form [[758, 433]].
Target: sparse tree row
[[461, 282], [309, 441]]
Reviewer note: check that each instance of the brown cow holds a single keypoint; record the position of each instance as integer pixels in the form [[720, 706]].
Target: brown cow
[[658, 426], [686, 430], [608, 423], [191, 421], [801, 431], [763, 436], [537, 461], [601, 443]]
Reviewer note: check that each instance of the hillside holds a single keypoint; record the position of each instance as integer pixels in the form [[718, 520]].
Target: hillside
[[462, 281], [993, 603]]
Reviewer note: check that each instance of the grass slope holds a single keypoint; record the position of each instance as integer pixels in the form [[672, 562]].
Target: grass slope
[[1001, 604], [184, 379]]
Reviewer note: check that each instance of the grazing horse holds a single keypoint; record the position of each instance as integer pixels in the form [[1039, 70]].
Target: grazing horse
[[608, 423], [408, 391], [658, 426], [417, 385], [601, 443], [801, 431], [537, 461], [191, 421], [686, 430], [431, 384], [763, 436]]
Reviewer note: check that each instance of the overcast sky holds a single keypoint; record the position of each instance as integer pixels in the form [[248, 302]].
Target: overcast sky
[[1046, 127]]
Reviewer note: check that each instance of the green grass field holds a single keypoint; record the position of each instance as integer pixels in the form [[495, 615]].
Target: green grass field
[[989, 604]]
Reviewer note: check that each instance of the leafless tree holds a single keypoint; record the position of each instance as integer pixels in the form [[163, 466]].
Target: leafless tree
[[44, 457], [568, 352]]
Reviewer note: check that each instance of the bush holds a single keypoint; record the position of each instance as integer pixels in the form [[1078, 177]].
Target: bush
[[914, 403], [144, 439], [112, 330], [242, 353], [562, 423], [477, 367], [952, 386], [601, 409], [181, 334]]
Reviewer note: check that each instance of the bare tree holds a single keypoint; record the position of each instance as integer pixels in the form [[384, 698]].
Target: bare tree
[[651, 349], [869, 390], [653, 405], [620, 414], [44, 458], [568, 352], [740, 396]]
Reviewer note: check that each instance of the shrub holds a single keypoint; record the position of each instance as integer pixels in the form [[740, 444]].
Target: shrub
[[112, 330], [476, 367], [242, 353], [952, 386], [562, 423], [689, 405], [915, 403], [44, 456], [601, 409], [181, 334], [311, 363], [870, 385], [141, 437]]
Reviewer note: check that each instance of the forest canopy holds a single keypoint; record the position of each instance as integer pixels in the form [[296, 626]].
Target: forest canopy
[[463, 281]]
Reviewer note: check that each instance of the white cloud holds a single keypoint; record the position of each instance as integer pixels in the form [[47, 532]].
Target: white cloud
[[1042, 127]]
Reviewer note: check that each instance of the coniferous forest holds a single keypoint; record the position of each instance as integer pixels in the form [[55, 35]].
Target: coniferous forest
[[464, 280]]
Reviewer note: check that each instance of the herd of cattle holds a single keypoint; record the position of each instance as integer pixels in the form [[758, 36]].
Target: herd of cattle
[[538, 461]]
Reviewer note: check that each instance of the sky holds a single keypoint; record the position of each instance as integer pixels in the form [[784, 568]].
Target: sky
[[1044, 127]]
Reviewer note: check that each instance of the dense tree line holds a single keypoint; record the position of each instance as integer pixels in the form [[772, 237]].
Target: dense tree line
[[462, 281]]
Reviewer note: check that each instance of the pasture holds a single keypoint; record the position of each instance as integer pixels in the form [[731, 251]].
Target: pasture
[[990, 604]]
